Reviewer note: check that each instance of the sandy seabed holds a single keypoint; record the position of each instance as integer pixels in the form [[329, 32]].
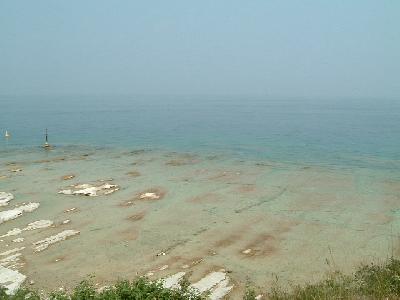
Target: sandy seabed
[[118, 214]]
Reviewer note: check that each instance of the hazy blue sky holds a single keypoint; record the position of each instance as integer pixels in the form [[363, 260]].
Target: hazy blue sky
[[324, 48]]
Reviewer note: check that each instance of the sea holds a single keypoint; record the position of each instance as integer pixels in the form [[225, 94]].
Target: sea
[[266, 189]]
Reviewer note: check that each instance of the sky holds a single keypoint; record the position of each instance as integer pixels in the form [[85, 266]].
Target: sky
[[276, 48]]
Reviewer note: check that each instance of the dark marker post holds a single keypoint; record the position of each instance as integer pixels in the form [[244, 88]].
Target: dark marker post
[[46, 144]]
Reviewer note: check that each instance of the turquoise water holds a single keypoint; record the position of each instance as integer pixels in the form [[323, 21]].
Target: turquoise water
[[262, 188], [336, 132]]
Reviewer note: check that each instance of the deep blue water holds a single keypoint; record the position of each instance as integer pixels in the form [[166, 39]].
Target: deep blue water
[[360, 132]]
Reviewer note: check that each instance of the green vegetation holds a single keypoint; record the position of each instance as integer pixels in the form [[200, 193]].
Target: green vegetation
[[140, 289], [371, 281]]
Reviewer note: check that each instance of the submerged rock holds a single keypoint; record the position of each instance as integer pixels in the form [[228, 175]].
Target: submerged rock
[[11, 280], [31, 226], [68, 177], [30, 207], [11, 214], [44, 244], [151, 194], [183, 160], [147, 195], [70, 210], [11, 251], [14, 231], [133, 174], [39, 225], [12, 259], [91, 190], [5, 198], [136, 217], [247, 251]]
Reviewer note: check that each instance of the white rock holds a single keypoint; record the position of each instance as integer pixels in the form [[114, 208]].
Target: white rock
[[12, 251], [90, 190], [149, 195], [109, 179], [38, 225], [65, 222], [108, 186], [221, 290], [12, 232], [11, 280], [12, 259], [66, 192], [44, 244], [172, 282], [82, 186], [70, 209], [247, 251], [208, 282], [5, 198], [111, 191], [11, 214], [31, 226], [31, 206]]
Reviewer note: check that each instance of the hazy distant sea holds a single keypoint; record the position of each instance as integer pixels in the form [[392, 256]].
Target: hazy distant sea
[[360, 132]]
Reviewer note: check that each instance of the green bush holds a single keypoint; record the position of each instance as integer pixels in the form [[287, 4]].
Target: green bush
[[140, 289], [373, 281]]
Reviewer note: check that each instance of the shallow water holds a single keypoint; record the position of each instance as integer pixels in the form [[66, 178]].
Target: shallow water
[[252, 207]]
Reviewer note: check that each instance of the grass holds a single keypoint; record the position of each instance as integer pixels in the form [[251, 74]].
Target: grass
[[373, 281]]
